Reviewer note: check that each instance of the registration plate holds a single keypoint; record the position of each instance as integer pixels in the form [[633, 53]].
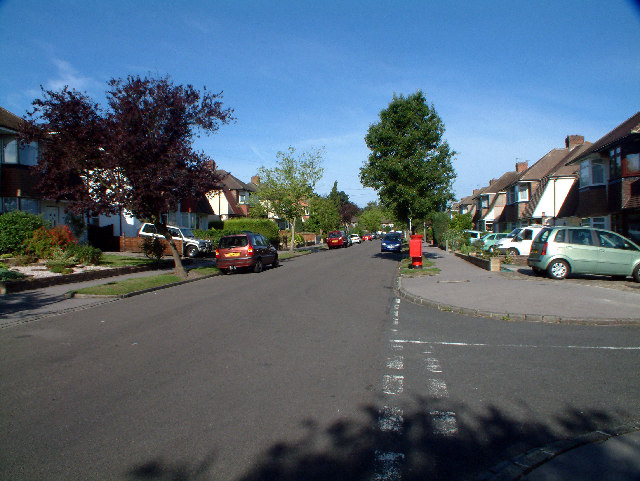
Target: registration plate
[[233, 254], [534, 251]]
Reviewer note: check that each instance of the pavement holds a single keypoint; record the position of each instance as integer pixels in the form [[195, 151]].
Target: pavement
[[511, 295]]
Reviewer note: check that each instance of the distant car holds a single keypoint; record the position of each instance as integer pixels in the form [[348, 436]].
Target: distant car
[[367, 237], [337, 238], [191, 247], [561, 251], [489, 241], [391, 242], [355, 239], [520, 245], [249, 250]]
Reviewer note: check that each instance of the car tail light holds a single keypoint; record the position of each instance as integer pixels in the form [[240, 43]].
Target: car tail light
[[543, 252], [217, 253], [249, 250]]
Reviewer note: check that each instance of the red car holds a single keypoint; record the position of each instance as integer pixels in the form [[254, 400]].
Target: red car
[[336, 239], [250, 250], [367, 237]]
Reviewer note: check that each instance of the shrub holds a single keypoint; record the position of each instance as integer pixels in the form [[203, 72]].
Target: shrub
[[85, 254], [60, 262], [44, 240], [7, 275], [15, 228], [153, 248], [266, 227]]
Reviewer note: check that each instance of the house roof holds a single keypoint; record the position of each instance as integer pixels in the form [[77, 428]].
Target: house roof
[[502, 182], [566, 168], [9, 120], [233, 183], [629, 127], [545, 165]]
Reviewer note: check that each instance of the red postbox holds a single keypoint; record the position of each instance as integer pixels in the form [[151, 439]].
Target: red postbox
[[415, 251]]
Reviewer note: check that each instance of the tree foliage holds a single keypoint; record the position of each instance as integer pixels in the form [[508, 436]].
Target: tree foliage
[[136, 154], [371, 218], [410, 164], [16, 227], [287, 188], [323, 215]]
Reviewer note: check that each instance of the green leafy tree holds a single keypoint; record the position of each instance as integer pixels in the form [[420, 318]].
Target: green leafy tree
[[371, 218], [16, 227], [287, 188], [324, 216], [410, 164]]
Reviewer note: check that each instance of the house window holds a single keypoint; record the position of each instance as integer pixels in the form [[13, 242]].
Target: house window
[[523, 193], [511, 195], [615, 163], [9, 204], [633, 164], [9, 151], [28, 154], [484, 202], [597, 222], [592, 173], [242, 198]]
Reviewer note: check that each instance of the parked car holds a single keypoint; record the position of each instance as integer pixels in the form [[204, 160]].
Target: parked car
[[561, 251], [355, 239], [191, 247], [473, 235], [337, 238], [520, 245], [391, 242], [367, 237], [248, 250], [490, 241]]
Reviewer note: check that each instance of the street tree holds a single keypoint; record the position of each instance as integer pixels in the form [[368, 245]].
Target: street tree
[[287, 188], [134, 155], [410, 164], [371, 218], [323, 215]]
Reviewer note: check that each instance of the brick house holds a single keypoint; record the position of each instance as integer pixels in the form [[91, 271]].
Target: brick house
[[554, 200], [609, 187], [18, 184], [232, 199], [492, 200]]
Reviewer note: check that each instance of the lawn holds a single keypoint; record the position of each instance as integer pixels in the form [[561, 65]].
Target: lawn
[[427, 268]]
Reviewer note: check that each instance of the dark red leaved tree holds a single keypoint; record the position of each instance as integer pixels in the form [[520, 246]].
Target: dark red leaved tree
[[136, 155]]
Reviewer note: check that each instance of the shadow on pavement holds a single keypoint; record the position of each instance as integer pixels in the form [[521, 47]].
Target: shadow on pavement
[[12, 303], [427, 445]]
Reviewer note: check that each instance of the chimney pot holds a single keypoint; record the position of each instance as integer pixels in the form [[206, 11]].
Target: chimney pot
[[522, 166]]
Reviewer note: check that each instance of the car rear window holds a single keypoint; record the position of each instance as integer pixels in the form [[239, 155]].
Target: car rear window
[[543, 235], [333, 235], [233, 241]]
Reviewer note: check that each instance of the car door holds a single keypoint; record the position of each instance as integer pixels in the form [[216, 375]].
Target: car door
[[268, 253], [582, 251], [617, 256]]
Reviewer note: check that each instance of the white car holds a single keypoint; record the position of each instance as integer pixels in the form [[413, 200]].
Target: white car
[[355, 239], [520, 245]]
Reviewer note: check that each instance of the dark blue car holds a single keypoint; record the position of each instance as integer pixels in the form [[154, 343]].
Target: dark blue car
[[391, 242]]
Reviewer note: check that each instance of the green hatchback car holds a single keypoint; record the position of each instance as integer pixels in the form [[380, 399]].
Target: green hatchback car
[[561, 251]]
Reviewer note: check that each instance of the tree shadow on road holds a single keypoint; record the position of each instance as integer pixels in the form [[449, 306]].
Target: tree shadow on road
[[426, 443]]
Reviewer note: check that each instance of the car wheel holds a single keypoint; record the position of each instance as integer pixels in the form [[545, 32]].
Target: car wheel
[[276, 262], [192, 251], [257, 268], [558, 269], [513, 251], [636, 273]]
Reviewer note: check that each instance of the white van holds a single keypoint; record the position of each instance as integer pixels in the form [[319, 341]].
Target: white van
[[520, 245]]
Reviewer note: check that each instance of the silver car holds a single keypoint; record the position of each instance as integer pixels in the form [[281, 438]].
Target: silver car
[[561, 251]]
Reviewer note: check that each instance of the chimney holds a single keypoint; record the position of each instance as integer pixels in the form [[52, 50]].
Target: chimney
[[522, 166], [475, 191], [255, 180], [573, 141], [492, 181]]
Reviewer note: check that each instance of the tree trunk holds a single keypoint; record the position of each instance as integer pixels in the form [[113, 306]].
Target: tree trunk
[[179, 269], [293, 235]]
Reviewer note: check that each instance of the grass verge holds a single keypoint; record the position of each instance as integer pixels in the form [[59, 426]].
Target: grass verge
[[114, 260], [427, 268], [127, 286]]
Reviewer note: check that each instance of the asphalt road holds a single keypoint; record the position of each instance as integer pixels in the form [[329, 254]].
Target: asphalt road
[[311, 371]]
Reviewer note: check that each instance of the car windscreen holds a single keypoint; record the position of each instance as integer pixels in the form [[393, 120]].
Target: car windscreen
[[333, 235], [389, 237], [233, 241], [188, 233]]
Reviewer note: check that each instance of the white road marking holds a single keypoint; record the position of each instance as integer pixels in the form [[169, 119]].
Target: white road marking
[[433, 365], [444, 422], [388, 466], [527, 346], [437, 388], [391, 419], [392, 384], [395, 362]]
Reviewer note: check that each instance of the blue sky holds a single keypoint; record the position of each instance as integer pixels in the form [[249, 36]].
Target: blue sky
[[510, 79]]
